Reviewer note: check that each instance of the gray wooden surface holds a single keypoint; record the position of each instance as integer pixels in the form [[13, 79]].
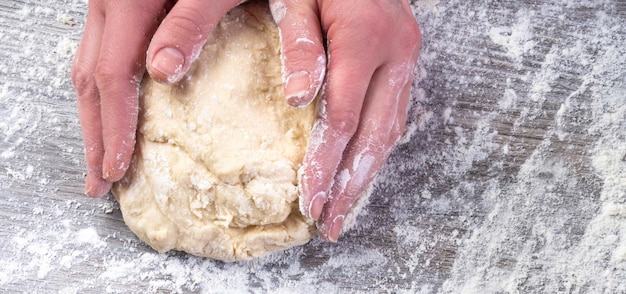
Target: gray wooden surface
[[513, 179]]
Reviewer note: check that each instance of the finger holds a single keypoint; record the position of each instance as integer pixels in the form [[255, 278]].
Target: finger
[[88, 100], [118, 74], [369, 148], [303, 57], [180, 37], [338, 115]]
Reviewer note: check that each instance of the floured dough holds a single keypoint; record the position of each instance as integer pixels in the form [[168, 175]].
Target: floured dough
[[214, 172]]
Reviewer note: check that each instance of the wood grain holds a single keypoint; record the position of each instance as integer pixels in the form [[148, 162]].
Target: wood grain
[[473, 165]]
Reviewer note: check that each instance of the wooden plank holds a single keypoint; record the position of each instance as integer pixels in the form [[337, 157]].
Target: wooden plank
[[512, 180]]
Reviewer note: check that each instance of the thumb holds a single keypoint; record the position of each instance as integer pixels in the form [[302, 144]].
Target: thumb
[[303, 56], [180, 37]]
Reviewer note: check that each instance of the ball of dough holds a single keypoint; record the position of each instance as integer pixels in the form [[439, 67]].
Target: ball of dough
[[215, 168]]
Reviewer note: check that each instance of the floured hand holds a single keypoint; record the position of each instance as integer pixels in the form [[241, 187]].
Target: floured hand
[[372, 50], [111, 61]]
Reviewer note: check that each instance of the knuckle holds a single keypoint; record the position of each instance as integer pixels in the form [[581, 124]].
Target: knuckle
[[370, 17], [83, 81], [93, 155], [104, 75], [345, 121], [302, 49], [98, 6], [186, 22], [311, 61], [371, 30], [156, 8], [377, 27], [411, 37]]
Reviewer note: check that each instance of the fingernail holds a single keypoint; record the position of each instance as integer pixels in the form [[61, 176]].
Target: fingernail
[[89, 188], [94, 192], [112, 171], [335, 228], [169, 62], [297, 84], [107, 170], [96, 187], [315, 208]]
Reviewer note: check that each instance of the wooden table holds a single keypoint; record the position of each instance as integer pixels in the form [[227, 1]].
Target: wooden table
[[512, 178]]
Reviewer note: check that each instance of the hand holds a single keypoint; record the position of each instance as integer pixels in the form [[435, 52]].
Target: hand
[[111, 61], [372, 48]]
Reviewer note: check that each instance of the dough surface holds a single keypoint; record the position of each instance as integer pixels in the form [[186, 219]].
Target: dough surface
[[214, 172]]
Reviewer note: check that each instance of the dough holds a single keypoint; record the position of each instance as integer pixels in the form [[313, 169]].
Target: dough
[[215, 168]]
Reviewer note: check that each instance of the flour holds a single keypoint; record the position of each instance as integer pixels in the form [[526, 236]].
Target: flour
[[523, 233], [510, 177], [89, 236], [517, 39], [278, 10]]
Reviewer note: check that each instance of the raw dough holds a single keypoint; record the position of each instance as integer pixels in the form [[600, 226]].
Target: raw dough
[[215, 168]]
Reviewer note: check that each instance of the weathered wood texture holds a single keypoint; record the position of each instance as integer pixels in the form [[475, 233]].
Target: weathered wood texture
[[513, 178]]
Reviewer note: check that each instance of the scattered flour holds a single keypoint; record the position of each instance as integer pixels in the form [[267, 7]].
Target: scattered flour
[[516, 39], [511, 177]]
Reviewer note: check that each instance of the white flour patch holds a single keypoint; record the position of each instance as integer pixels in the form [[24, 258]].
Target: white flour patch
[[279, 10], [510, 177], [516, 39], [526, 241], [428, 5], [89, 236]]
